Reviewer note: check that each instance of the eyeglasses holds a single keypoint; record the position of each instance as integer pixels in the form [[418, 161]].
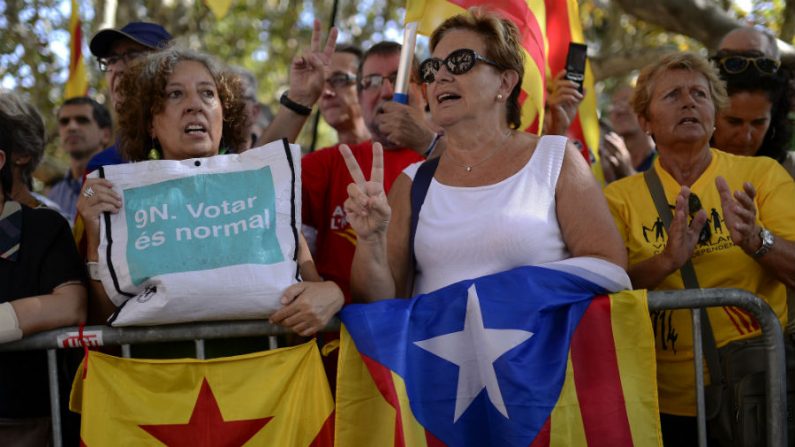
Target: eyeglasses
[[341, 79], [375, 81], [693, 207], [737, 64], [106, 62], [458, 62]]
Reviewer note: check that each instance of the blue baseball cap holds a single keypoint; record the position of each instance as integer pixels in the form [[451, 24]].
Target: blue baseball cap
[[150, 35]]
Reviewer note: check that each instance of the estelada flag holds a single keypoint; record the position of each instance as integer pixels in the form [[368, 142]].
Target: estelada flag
[[77, 84], [533, 356], [278, 397], [528, 15], [563, 27]]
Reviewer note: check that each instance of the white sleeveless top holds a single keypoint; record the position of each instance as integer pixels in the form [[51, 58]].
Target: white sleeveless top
[[467, 232]]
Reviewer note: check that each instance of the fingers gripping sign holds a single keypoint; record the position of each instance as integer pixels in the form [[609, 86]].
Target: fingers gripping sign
[[367, 208]]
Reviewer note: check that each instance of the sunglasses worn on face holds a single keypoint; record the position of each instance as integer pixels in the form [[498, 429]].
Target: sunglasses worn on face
[[106, 62], [375, 81], [340, 79], [458, 62], [738, 64]]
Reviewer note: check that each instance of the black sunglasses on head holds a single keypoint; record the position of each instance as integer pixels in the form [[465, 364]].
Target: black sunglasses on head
[[458, 62], [737, 64]]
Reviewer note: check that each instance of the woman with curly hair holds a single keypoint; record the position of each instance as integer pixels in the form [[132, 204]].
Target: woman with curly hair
[[180, 104]]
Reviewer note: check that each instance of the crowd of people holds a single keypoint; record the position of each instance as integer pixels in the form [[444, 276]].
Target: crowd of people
[[715, 134]]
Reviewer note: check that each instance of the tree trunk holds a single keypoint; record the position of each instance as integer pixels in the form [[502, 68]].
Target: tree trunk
[[702, 20]]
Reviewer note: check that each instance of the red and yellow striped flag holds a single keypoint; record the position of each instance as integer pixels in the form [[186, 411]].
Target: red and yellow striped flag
[[524, 357], [278, 397], [77, 85], [528, 15], [563, 26]]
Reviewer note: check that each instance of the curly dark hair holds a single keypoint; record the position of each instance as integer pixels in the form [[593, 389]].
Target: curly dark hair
[[779, 133], [143, 89], [503, 46]]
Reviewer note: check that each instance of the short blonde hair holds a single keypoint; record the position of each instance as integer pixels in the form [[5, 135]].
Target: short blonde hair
[[644, 88]]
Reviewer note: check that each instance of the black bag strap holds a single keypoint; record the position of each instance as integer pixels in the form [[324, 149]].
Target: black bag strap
[[419, 189], [691, 282]]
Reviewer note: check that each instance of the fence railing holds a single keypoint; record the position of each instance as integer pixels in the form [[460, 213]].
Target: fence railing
[[658, 300]]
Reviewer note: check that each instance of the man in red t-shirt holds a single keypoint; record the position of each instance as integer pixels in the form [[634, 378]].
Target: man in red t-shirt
[[405, 134]]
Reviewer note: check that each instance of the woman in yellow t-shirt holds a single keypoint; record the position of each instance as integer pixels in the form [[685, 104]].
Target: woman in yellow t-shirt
[[732, 217]]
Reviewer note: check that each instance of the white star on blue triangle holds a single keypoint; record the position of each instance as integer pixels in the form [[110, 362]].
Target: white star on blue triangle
[[474, 350]]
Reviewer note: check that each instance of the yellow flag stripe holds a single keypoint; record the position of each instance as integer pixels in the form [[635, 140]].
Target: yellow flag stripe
[[634, 342], [364, 408], [413, 431], [566, 427]]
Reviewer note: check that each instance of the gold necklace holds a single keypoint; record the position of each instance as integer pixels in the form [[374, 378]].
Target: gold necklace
[[481, 161]]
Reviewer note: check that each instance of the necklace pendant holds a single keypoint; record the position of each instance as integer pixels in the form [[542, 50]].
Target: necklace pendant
[[469, 168]]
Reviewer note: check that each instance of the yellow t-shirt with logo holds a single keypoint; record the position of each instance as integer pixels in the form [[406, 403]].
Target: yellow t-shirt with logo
[[717, 261]]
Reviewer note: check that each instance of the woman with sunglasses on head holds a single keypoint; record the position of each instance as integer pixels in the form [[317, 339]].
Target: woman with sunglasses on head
[[756, 121], [732, 219], [499, 199]]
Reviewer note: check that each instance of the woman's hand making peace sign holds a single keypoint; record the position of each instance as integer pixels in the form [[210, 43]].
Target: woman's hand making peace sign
[[367, 208]]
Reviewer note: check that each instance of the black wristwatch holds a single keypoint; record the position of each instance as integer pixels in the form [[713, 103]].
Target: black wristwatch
[[767, 243], [294, 106]]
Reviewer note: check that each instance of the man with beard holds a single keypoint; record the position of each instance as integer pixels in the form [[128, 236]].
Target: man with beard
[[85, 128]]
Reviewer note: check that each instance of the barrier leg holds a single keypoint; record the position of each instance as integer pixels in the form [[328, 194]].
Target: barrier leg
[[55, 399], [698, 363], [199, 343]]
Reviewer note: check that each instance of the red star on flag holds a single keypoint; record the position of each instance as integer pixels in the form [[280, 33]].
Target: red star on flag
[[207, 426]]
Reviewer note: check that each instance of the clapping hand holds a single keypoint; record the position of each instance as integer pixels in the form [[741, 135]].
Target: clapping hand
[[307, 71], [366, 208], [683, 237], [739, 213]]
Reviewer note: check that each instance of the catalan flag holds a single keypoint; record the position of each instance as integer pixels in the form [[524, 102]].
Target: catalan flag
[[278, 397], [528, 15], [563, 27], [77, 85], [219, 7], [534, 356]]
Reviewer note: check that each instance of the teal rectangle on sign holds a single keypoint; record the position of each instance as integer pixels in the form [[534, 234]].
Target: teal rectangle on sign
[[201, 222]]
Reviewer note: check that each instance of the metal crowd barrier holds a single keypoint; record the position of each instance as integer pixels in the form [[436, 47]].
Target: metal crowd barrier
[[94, 336], [658, 300], [772, 335]]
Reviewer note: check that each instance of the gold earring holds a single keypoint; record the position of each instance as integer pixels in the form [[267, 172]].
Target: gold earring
[[153, 154]]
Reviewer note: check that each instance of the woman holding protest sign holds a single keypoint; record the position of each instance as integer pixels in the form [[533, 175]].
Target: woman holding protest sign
[[180, 105], [499, 198]]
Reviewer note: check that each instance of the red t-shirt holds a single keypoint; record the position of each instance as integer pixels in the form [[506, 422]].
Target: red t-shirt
[[325, 180]]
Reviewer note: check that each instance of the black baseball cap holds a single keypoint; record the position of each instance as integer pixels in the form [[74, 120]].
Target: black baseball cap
[[150, 35]]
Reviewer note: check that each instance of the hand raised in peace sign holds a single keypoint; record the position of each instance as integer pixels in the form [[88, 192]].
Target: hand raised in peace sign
[[307, 71], [367, 208]]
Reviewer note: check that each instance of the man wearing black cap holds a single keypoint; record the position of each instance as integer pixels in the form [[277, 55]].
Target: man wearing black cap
[[114, 49]]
